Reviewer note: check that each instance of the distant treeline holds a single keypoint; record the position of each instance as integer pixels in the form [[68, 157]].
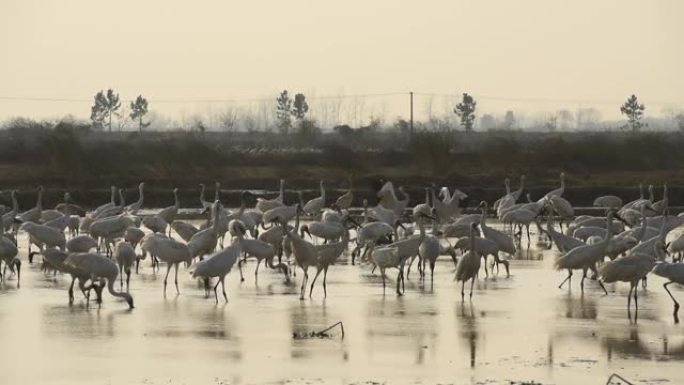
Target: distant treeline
[[72, 157]]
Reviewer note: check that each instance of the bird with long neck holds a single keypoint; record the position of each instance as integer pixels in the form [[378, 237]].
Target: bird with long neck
[[586, 257], [217, 192], [205, 203], [469, 264], [137, 205], [305, 255], [99, 266]]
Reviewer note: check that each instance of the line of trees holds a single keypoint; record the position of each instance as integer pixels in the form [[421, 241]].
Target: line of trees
[[108, 104], [291, 116]]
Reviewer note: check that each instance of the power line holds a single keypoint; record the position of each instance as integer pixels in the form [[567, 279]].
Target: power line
[[329, 97]]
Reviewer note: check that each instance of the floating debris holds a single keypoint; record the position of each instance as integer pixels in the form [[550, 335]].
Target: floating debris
[[321, 334]]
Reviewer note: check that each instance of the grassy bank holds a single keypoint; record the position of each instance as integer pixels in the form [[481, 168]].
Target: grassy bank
[[85, 163]]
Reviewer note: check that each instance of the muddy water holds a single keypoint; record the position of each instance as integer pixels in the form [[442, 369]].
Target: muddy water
[[516, 329]]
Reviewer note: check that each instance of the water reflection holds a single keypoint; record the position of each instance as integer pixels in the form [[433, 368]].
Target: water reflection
[[579, 307], [468, 328]]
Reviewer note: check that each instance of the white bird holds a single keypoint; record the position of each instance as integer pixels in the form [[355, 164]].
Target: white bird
[[218, 265], [517, 193], [563, 242], [81, 244], [445, 210], [8, 217], [155, 223], [424, 208], [469, 264], [34, 214], [168, 214], [170, 251], [283, 213], [110, 204], [522, 218], [134, 207], [42, 235], [608, 201], [124, 255], [305, 255], [109, 229], [205, 203], [113, 210], [369, 233], [204, 241], [632, 268], [73, 223], [8, 255], [429, 250], [503, 241], [60, 223], [660, 206], [314, 206], [484, 247], [386, 257], [265, 205], [260, 250], [55, 259], [99, 266], [560, 190], [345, 200], [326, 230], [327, 255], [184, 229], [133, 235], [585, 257], [674, 273]]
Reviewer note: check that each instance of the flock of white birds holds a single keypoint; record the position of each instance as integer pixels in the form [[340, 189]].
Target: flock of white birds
[[98, 247]]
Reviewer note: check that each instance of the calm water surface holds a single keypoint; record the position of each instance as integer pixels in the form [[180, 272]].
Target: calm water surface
[[516, 329]]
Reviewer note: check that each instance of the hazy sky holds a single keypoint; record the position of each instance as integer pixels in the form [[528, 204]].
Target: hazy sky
[[582, 49]]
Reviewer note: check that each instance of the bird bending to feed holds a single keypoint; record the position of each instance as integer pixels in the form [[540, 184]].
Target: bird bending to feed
[[99, 267]]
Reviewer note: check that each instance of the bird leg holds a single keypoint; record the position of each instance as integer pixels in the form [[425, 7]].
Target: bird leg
[[325, 276], [223, 287], [71, 290], [472, 282], [242, 278], [304, 280], [676, 304], [256, 271], [566, 279], [462, 290], [318, 272], [399, 281], [215, 288], [584, 275], [175, 280], [168, 270], [128, 279], [382, 272]]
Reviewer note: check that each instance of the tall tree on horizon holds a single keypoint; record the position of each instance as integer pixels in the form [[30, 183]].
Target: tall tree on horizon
[[300, 107], [104, 106], [139, 109], [283, 112], [634, 112], [466, 111]]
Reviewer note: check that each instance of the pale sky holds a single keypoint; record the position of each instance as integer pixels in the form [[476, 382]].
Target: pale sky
[[586, 50]]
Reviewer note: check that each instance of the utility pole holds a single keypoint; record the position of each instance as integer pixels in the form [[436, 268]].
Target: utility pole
[[411, 122]]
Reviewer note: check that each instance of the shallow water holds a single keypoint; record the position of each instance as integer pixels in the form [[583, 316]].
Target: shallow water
[[516, 329]]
